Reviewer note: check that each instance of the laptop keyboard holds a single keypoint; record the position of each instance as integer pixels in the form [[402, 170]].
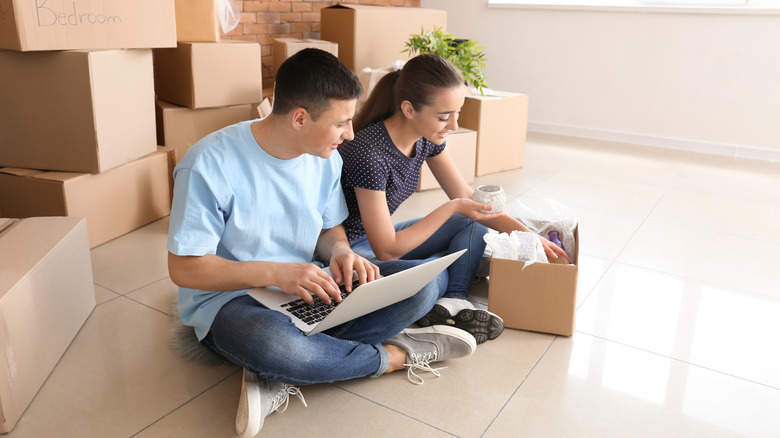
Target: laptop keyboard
[[314, 313]]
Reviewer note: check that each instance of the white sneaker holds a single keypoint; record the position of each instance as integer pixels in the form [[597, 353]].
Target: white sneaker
[[483, 325], [260, 397], [424, 346]]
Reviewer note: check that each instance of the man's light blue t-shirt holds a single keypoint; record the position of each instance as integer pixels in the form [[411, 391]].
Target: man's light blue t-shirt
[[233, 199]]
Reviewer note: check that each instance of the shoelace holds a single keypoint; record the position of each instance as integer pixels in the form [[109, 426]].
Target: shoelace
[[283, 396], [421, 362]]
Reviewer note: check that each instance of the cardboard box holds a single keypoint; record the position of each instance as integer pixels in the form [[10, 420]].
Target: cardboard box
[[181, 127], [286, 47], [462, 145], [368, 79], [206, 75], [197, 20], [541, 297], [76, 111], [114, 202], [374, 36], [262, 109], [498, 148], [27, 25], [46, 295]]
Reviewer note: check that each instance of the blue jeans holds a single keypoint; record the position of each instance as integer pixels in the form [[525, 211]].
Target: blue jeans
[[457, 233], [267, 343]]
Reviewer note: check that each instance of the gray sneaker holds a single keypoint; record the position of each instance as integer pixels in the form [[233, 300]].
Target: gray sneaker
[[424, 346], [260, 397], [483, 325]]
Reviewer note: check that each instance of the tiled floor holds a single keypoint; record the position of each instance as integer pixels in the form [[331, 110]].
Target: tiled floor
[[677, 335]]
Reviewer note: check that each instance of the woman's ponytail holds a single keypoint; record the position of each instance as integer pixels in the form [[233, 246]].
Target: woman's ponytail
[[418, 82], [380, 103]]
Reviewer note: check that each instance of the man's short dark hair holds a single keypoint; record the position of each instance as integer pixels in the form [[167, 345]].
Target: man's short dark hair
[[312, 78]]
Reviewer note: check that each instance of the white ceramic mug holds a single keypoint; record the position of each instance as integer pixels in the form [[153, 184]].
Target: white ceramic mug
[[490, 194]]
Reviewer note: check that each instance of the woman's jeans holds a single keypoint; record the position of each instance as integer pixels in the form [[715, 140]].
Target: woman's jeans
[[267, 343], [457, 233]]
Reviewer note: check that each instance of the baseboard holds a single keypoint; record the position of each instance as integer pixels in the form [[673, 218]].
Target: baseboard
[[729, 150]]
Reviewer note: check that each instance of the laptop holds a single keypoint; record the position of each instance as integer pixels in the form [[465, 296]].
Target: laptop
[[363, 299]]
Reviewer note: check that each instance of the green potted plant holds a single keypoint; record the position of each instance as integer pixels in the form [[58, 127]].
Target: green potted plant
[[466, 55]]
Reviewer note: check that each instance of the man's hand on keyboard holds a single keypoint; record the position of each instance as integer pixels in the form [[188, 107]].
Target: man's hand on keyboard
[[346, 264], [305, 279]]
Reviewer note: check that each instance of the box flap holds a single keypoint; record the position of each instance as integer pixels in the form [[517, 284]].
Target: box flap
[[264, 109], [319, 42], [490, 94], [462, 130], [166, 105], [17, 171], [342, 6], [26, 195], [41, 174], [59, 176], [287, 40], [376, 8]]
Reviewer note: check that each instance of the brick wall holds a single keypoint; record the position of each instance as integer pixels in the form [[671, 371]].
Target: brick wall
[[262, 21]]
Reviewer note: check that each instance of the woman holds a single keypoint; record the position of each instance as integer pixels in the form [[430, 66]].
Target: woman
[[405, 122]]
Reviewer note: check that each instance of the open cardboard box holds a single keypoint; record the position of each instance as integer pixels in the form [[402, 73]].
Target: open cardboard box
[[541, 297], [46, 294]]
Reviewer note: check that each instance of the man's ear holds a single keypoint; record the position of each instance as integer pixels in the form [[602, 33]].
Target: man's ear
[[407, 109], [298, 117]]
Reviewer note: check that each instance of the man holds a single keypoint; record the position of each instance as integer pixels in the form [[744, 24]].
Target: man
[[253, 204]]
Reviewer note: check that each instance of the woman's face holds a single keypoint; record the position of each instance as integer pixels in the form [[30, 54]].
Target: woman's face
[[436, 120]]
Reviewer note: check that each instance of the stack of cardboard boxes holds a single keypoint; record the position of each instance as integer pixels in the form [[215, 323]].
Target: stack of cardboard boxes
[[491, 138], [203, 84], [77, 122], [77, 145]]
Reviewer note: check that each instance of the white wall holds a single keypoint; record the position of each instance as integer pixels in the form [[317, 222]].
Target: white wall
[[705, 82]]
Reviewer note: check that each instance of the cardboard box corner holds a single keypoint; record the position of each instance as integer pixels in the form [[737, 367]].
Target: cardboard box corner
[[46, 295]]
